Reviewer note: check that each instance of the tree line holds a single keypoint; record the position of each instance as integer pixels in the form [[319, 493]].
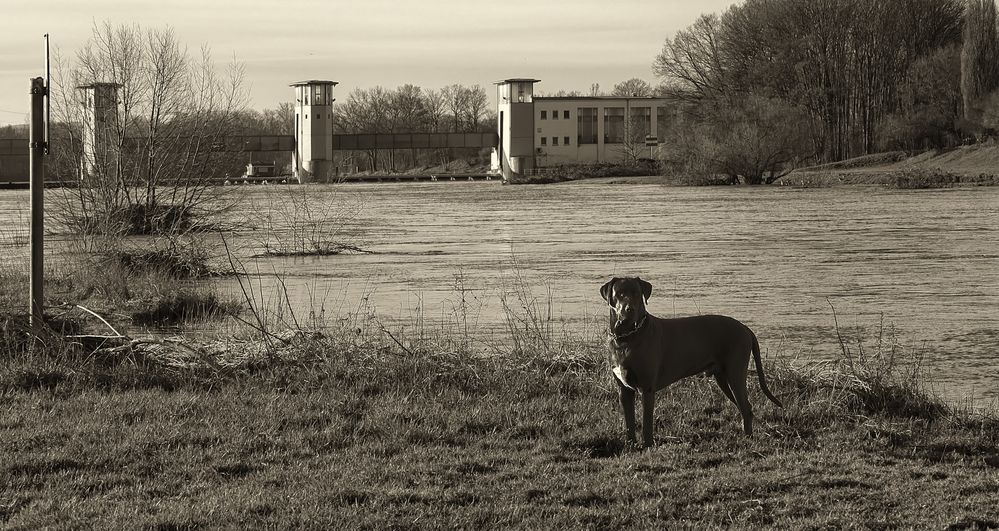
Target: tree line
[[767, 84]]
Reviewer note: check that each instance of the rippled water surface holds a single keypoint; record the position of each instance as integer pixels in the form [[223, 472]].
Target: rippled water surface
[[778, 259]]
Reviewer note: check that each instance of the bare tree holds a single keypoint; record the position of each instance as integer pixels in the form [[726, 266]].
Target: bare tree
[[160, 139], [634, 87], [435, 102], [456, 97], [691, 65], [281, 120], [477, 104], [561, 93], [979, 57], [637, 126], [756, 139]]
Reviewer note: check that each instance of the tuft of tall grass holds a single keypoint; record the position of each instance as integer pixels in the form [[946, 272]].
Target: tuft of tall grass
[[306, 221], [874, 376]]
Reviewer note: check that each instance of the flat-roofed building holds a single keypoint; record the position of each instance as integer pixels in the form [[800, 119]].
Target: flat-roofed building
[[579, 129]]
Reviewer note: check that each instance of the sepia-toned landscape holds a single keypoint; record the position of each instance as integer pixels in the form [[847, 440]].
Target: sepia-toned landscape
[[394, 308]]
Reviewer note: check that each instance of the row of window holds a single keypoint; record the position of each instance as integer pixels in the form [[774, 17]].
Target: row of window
[[608, 139], [637, 128], [565, 141], [544, 115]]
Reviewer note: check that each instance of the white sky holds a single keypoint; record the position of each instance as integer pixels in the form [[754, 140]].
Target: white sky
[[568, 44]]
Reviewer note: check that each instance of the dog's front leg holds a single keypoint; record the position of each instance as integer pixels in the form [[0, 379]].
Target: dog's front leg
[[627, 396], [648, 408]]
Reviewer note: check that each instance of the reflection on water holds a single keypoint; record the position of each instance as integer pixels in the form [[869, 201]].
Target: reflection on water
[[775, 258]]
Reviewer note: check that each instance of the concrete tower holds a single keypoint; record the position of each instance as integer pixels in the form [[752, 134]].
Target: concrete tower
[[515, 121], [313, 157], [99, 102]]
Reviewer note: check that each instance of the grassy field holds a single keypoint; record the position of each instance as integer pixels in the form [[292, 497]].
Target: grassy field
[[355, 430]]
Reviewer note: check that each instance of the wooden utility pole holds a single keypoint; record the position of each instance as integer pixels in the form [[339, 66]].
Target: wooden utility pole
[[37, 147]]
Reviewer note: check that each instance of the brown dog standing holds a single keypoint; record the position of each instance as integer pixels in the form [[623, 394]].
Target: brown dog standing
[[648, 353]]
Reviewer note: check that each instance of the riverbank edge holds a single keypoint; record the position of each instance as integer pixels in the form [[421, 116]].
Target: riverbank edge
[[799, 179]]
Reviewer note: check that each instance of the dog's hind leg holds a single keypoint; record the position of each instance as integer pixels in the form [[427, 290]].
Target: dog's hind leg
[[720, 378], [741, 393], [627, 398]]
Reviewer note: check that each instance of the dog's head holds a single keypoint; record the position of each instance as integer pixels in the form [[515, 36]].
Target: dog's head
[[626, 297]]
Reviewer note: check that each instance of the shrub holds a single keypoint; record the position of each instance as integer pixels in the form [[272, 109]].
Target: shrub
[[915, 178], [571, 172]]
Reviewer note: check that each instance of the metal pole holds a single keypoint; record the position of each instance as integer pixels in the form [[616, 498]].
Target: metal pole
[[48, 83], [37, 179]]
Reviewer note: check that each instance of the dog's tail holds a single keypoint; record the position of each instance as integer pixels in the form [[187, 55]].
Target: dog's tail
[[759, 371]]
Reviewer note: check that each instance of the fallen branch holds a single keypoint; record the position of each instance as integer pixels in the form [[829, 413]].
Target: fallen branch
[[91, 312]]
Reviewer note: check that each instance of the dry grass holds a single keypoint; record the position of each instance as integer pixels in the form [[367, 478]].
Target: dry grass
[[973, 165], [342, 422], [365, 427]]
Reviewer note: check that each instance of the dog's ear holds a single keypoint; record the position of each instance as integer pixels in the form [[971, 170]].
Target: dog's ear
[[606, 292], [646, 288]]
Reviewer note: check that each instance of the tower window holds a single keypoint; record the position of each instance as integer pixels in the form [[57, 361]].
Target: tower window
[[544, 141], [554, 140], [554, 115], [566, 139], [565, 114], [544, 115]]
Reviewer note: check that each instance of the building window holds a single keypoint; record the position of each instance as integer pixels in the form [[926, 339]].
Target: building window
[[554, 140], [613, 125], [565, 114], [586, 125], [554, 115], [565, 141], [544, 115], [544, 141], [664, 120], [641, 124]]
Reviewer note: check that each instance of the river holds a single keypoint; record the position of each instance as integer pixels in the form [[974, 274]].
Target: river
[[916, 266]]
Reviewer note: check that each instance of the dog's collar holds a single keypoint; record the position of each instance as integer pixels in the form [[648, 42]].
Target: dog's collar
[[633, 331]]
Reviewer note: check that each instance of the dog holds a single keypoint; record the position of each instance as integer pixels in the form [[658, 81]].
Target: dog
[[647, 353]]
